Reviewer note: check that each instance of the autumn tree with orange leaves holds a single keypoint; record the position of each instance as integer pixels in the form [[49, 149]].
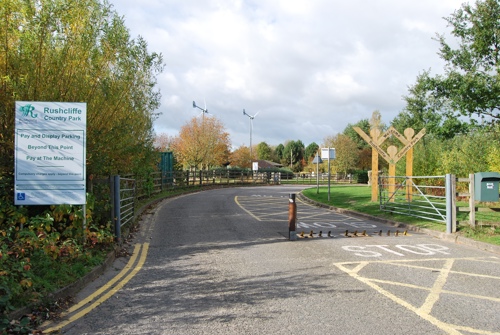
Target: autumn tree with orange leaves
[[241, 157], [202, 143]]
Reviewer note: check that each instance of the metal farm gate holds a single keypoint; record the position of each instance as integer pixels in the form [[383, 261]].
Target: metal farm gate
[[427, 197]]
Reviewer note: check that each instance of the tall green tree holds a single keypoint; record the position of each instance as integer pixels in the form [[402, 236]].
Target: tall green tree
[[470, 85], [81, 50], [364, 124], [493, 158], [293, 154], [423, 110], [466, 154], [364, 160], [310, 151], [278, 152], [264, 151]]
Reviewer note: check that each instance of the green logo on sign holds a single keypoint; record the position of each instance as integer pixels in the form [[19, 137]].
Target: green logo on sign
[[28, 110]]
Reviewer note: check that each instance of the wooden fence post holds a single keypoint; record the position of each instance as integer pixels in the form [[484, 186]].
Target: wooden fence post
[[472, 205]]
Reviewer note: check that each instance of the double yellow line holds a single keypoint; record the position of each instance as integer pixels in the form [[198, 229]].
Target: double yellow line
[[81, 309]]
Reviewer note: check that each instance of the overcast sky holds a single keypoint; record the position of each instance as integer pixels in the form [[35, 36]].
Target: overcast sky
[[307, 67]]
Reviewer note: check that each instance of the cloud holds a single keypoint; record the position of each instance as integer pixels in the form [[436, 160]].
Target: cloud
[[309, 67]]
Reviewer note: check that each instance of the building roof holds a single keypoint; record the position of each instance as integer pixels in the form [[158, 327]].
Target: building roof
[[263, 164]]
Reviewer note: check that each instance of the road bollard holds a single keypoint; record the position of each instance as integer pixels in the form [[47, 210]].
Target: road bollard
[[292, 217]]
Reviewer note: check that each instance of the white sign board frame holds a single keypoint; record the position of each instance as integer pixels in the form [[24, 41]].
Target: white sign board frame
[[50, 153], [328, 153]]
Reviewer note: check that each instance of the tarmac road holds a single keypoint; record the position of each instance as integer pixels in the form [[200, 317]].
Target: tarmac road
[[219, 262]]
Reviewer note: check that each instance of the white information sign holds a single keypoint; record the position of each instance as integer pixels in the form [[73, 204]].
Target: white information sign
[[255, 166], [327, 153], [50, 153]]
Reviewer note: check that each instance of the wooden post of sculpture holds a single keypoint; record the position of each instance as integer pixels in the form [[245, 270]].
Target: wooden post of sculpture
[[409, 165], [392, 156], [374, 133], [392, 151]]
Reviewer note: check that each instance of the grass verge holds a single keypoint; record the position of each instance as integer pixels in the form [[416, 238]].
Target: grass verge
[[358, 198]]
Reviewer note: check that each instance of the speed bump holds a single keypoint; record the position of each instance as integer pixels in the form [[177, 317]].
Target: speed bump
[[354, 233]]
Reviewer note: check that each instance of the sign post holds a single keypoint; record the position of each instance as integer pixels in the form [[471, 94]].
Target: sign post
[[317, 160], [50, 153], [328, 153]]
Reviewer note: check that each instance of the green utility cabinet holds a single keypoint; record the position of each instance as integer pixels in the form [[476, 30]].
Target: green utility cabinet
[[167, 167], [486, 186]]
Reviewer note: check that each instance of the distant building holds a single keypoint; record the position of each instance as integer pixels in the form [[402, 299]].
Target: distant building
[[263, 164]]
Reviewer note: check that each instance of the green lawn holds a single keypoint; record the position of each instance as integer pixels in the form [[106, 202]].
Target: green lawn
[[358, 198]]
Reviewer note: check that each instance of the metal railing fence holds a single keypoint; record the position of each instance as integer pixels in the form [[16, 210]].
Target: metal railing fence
[[116, 197]]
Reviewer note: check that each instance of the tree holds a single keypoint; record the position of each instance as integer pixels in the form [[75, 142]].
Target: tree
[[278, 151], [346, 153], [240, 157], [311, 151], [426, 158], [264, 151], [163, 142], [461, 155], [353, 135], [465, 155], [471, 84], [365, 159], [293, 155], [202, 143], [80, 51], [493, 158], [423, 111]]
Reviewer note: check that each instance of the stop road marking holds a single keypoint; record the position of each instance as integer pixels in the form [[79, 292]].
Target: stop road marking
[[402, 250]]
